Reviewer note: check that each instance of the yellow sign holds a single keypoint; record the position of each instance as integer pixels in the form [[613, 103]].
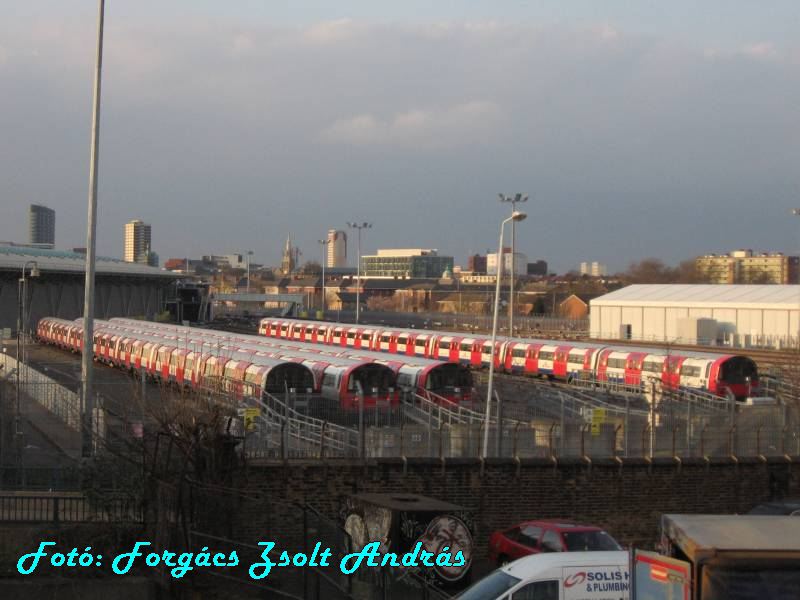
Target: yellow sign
[[250, 416], [598, 418]]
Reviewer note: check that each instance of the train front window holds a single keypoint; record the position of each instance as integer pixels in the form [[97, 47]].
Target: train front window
[[738, 370]]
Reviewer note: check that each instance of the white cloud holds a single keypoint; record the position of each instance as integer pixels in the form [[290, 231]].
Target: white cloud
[[760, 50], [330, 32], [427, 127], [756, 50]]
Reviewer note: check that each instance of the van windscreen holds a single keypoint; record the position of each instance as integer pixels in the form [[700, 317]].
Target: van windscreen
[[491, 586]]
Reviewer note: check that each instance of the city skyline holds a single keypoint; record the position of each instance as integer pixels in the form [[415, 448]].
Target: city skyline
[[633, 137]]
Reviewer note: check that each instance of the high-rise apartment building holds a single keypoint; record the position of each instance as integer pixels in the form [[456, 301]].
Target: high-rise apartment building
[[594, 269], [137, 242], [337, 249], [41, 225], [746, 266]]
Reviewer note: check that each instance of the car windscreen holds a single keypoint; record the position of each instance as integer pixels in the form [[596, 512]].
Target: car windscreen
[[585, 541], [490, 587]]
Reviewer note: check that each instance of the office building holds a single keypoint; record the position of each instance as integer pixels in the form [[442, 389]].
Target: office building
[[41, 225], [537, 268], [337, 249], [476, 264], [415, 263]]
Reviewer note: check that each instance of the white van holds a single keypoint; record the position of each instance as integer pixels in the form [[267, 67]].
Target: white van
[[557, 576]]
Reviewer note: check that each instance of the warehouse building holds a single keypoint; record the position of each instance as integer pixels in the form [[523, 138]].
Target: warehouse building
[[54, 283], [736, 315]]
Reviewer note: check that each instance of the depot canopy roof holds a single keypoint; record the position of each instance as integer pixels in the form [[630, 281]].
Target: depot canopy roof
[[692, 295]]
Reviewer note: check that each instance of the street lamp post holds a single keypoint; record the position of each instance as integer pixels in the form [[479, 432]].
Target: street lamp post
[[359, 227], [513, 200], [249, 254], [87, 401], [22, 292], [796, 212], [324, 244], [515, 216]]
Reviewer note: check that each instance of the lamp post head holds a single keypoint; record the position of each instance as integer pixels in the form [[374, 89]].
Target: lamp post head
[[518, 216]]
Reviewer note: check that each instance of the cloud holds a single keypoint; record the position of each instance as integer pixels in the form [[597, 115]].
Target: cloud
[[756, 51], [210, 118], [426, 127], [331, 32]]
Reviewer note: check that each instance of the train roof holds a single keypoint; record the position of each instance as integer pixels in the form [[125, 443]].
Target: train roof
[[544, 341], [307, 350]]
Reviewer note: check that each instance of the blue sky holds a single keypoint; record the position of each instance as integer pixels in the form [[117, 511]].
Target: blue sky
[[639, 128]]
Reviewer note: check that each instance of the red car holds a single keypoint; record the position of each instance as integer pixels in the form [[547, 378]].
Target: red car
[[533, 537]]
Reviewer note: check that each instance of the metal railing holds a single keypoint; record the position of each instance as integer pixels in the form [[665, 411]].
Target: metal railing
[[66, 508], [552, 422]]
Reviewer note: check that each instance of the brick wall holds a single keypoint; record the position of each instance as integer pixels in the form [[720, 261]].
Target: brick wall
[[627, 500]]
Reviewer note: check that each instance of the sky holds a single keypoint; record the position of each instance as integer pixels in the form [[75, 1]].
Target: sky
[[638, 128]]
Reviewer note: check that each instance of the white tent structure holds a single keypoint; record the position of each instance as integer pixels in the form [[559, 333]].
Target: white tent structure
[[738, 315]]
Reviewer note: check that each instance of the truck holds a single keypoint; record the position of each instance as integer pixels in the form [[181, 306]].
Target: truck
[[721, 557]]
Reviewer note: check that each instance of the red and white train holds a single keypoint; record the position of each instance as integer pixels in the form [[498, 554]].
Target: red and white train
[[250, 364], [441, 381], [715, 373]]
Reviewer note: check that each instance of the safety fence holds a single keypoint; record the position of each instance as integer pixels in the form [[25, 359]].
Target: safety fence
[[541, 422], [60, 401], [722, 340], [66, 508]]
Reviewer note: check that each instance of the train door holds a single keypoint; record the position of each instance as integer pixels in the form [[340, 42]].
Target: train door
[[180, 362], [475, 353], [531, 361], [672, 371], [602, 365], [560, 360], [167, 368], [633, 368]]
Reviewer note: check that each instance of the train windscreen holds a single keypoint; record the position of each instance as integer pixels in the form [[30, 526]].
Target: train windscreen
[[737, 370], [449, 376], [288, 376], [372, 377]]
